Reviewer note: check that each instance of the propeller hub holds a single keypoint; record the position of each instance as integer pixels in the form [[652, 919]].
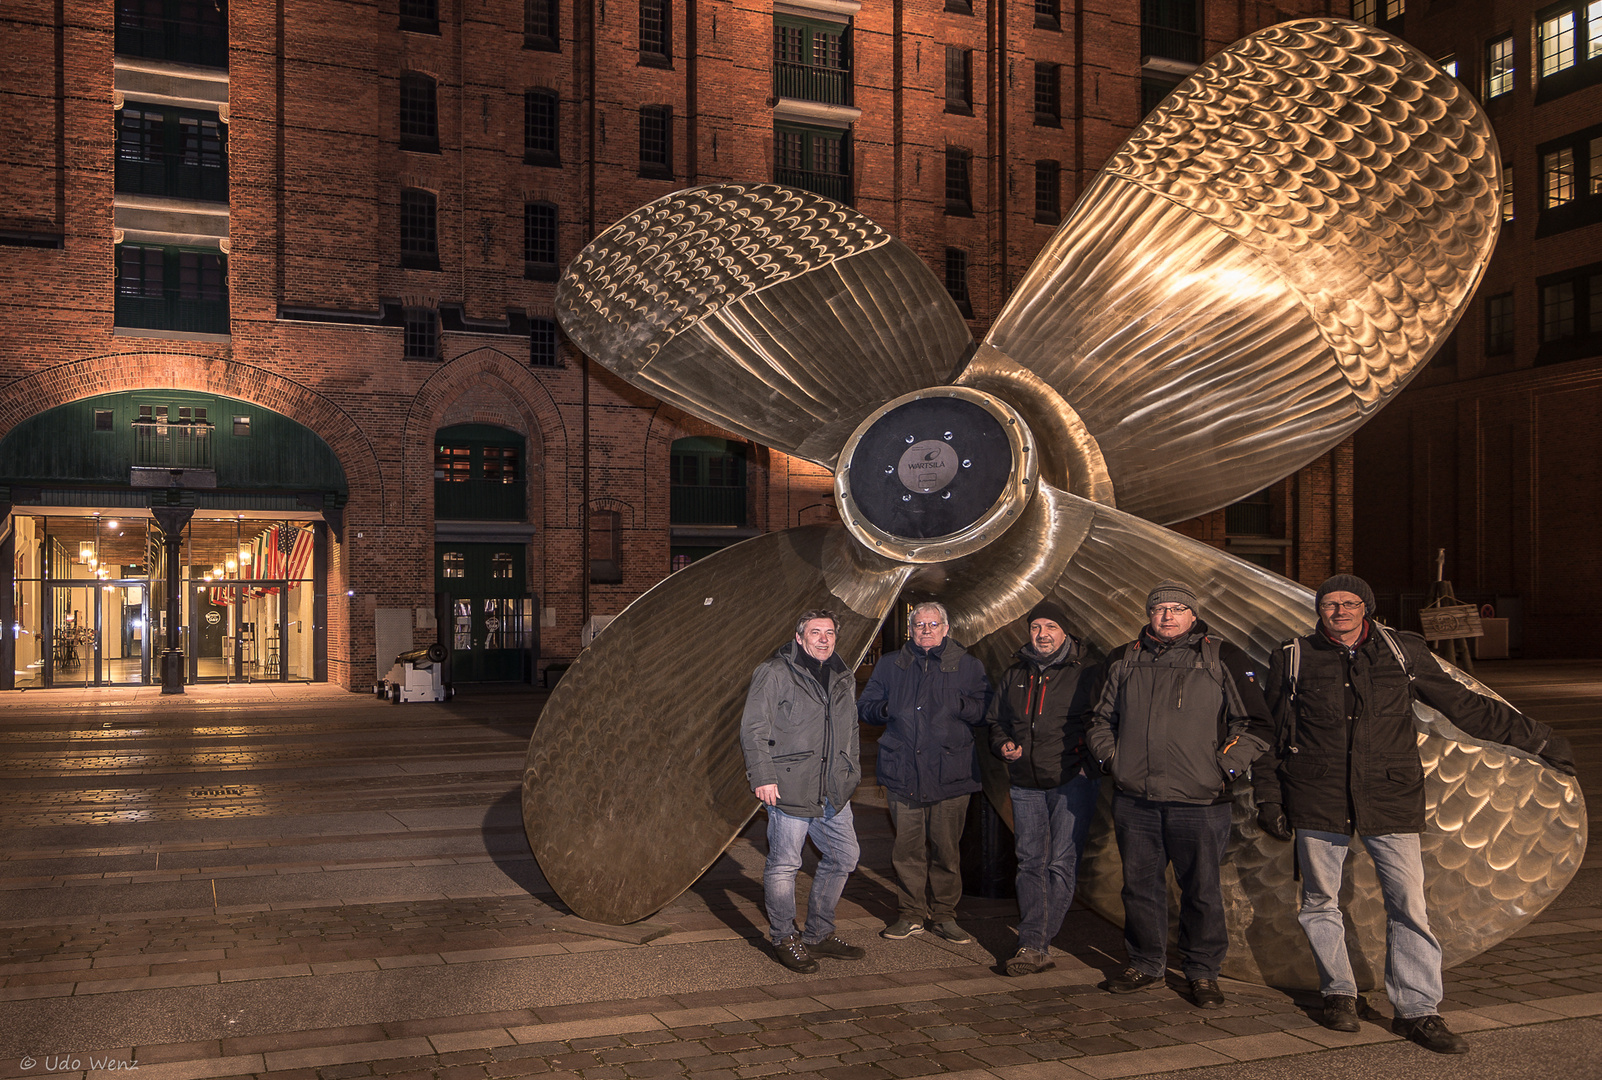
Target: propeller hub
[[936, 474]]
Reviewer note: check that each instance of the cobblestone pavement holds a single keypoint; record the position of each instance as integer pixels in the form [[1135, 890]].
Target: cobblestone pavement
[[343, 890]]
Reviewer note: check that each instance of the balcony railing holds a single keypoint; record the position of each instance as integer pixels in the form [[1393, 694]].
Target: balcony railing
[[1170, 44], [836, 186], [480, 500], [172, 312], [202, 41], [808, 83], [172, 446], [174, 176], [706, 505]]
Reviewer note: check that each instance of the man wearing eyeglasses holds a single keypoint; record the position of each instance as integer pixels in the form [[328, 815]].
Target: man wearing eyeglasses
[[1347, 762], [1181, 715], [930, 695]]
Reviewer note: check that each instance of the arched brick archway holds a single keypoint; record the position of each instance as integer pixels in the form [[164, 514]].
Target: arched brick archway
[[526, 406], [117, 372]]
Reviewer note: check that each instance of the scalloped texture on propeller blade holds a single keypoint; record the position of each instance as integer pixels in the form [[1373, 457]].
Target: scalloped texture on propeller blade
[[1281, 245], [634, 781], [769, 311]]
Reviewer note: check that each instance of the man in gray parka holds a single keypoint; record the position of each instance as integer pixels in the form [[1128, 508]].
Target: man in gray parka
[[799, 735]]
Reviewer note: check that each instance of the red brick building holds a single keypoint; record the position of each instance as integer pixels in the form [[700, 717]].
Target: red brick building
[[1494, 453], [279, 277]]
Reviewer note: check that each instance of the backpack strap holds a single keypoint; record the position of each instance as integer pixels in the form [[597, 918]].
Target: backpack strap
[[1211, 649], [1396, 651], [1286, 723]]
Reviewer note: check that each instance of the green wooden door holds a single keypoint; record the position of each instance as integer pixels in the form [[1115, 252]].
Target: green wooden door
[[492, 614]]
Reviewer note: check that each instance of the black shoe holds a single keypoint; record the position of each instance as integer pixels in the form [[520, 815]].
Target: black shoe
[[1340, 1013], [953, 933], [794, 955], [1431, 1033], [832, 946], [1204, 994], [902, 929], [1130, 979]]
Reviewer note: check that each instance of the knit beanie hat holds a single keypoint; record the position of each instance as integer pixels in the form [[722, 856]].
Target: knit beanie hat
[[1172, 592], [1347, 583], [1047, 609]]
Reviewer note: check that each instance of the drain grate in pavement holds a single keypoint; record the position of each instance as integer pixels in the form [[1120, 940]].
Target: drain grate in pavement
[[216, 793]]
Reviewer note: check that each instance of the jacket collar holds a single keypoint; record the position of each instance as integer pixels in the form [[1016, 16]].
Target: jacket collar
[[1150, 642], [1072, 651]]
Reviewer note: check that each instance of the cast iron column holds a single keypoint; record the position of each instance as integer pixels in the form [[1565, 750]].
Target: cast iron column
[[171, 520]]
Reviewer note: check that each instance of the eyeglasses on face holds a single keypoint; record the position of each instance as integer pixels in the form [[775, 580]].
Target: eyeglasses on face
[[1341, 605], [927, 625], [1169, 610]]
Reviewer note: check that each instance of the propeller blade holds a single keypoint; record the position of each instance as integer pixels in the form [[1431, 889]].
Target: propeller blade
[[772, 312], [1282, 244], [634, 782]]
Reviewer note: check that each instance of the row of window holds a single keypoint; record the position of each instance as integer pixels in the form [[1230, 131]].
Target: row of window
[[542, 25], [419, 235], [1570, 319], [1568, 53], [959, 186], [959, 87]]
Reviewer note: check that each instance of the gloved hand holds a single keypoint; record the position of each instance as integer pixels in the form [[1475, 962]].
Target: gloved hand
[[1271, 819], [1559, 753]]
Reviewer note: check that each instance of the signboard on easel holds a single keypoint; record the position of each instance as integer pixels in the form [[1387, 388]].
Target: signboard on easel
[[1451, 621]]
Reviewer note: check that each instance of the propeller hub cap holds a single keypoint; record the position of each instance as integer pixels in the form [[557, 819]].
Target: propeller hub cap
[[936, 474]]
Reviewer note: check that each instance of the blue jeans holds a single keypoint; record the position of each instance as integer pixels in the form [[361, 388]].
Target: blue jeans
[[1151, 835], [835, 835], [1049, 825], [1412, 955]]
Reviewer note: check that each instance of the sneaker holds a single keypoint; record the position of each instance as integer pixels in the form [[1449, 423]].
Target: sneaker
[[953, 933], [1029, 961], [1431, 1033], [794, 955], [1204, 994], [833, 947], [1131, 979], [901, 928], [1340, 1013]]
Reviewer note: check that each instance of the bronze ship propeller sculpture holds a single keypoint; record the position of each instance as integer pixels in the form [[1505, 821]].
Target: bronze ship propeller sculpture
[[1271, 255]]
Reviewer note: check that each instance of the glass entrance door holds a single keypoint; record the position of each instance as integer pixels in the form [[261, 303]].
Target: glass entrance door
[[71, 628], [492, 615], [124, 633]]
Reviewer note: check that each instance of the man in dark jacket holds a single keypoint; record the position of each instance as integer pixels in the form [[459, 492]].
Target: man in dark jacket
[[799, 735], [1181, 716], [1349, 762], [929, 694], [1037, 725]]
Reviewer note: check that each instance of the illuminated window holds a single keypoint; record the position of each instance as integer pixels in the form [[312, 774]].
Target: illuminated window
[[1557, 177], [1499, 67], [453, 564], [501, 564], [453, 464], [1507, 193]]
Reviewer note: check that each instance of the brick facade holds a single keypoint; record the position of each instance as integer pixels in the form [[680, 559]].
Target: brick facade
[[316, 172]]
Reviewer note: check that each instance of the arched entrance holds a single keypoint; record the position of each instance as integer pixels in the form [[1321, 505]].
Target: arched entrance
[[165, 521]]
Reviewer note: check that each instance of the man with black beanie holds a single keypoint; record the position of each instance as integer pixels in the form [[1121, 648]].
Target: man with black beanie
[[1347, 762], [1037, 725]]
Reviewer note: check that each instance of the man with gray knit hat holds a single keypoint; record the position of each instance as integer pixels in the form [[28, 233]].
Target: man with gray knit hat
[[1180, 716], [1037, 726], [1347, 762]]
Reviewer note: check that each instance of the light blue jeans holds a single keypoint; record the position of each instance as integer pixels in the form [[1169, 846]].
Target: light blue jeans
[[835, 834], [1050, 825], [1412, 955]]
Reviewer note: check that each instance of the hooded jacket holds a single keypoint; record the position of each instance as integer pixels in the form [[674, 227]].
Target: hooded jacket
[[929, 701], [1043, 707], [1171, 727], [796, 736], [1348, 758]]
